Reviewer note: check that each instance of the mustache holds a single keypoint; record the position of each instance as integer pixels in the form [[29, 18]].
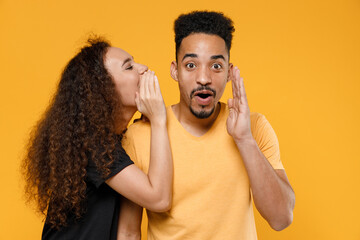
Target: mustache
[[201, 88]]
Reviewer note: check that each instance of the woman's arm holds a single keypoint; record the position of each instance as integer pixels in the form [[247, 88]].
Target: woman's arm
[[153, 190]]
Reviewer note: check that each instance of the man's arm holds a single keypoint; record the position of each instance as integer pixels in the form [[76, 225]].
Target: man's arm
[[129, 227], [273, 196]]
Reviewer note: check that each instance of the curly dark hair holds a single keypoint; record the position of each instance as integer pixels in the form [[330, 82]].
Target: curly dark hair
[[203, 22], [77, 125]]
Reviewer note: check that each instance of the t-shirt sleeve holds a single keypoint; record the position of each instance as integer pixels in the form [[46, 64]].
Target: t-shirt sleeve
[[266, 139], [121, 161], [128, 142]]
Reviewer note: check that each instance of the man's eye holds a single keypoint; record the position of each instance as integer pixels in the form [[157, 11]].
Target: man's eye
[[129, 68], [217, 66], [190, 65]]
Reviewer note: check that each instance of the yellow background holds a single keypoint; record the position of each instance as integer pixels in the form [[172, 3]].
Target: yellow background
[[301, 65]]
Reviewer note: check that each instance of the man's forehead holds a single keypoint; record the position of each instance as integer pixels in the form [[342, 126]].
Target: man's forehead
[[203, 45]]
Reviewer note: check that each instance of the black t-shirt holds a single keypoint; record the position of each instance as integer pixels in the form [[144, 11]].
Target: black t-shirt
[[100, 220]]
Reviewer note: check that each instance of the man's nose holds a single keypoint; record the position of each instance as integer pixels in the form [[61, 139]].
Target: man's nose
[[141, 68], [204, 76]]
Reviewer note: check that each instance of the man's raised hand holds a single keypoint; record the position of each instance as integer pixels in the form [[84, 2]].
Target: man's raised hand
[[238, 122]]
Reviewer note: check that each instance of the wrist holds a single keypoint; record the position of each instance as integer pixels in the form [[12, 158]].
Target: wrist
[[245, 141], [158, 122]]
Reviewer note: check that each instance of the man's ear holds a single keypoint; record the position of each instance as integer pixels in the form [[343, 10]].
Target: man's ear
[[230, 73], [173, 70]]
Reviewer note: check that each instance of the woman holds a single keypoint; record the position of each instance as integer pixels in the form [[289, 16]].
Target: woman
[[75, 167]]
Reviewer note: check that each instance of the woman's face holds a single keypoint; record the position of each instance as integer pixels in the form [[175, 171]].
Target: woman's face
[[125, 73]]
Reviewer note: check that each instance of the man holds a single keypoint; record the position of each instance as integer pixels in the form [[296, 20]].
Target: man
[[223, 155]]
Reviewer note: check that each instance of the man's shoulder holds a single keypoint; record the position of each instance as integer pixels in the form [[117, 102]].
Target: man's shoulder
[[257, 121], [255, 116], [137, 134], [141, 126], [138, 124], [137, 129]]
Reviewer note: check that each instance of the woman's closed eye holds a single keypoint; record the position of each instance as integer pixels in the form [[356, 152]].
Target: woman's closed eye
[[129, 67]]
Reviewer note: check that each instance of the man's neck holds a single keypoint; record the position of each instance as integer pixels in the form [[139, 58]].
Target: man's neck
[[195, 126]]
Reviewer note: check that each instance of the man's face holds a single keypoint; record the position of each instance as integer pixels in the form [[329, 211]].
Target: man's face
[[202, 71]]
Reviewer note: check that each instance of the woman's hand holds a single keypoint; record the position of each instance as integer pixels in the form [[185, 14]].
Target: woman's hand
[[149, 100], [154, 189]]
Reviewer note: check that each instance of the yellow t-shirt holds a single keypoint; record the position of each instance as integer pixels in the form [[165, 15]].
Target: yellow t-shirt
[[211, 198]]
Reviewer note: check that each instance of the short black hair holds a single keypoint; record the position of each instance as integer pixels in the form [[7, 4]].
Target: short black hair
[[214, 23]]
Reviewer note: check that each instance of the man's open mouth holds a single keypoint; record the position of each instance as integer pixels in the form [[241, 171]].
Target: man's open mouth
[[204, 94], [203, 97]]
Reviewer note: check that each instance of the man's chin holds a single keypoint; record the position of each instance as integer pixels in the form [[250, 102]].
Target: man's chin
[[202, 113]]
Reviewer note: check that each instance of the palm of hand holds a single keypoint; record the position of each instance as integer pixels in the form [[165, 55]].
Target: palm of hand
[[238, 122], [149, 100]]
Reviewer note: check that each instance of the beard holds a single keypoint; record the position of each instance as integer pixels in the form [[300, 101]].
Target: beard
[[202, 114]]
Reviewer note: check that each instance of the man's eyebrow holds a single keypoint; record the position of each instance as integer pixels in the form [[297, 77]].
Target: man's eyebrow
[[218, 56], [127, 60], [192, 55]]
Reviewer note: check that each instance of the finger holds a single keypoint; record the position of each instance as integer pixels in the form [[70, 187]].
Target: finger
[[235, 83], [231, 109], [233, 87], [137, 100], [157, 86], [142, 83], [230, 103], [236, 89], [243, 98], [238, 79], [146, 84], [151, 84]]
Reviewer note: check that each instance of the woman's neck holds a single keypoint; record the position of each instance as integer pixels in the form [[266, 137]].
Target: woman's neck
[[123, 118]]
